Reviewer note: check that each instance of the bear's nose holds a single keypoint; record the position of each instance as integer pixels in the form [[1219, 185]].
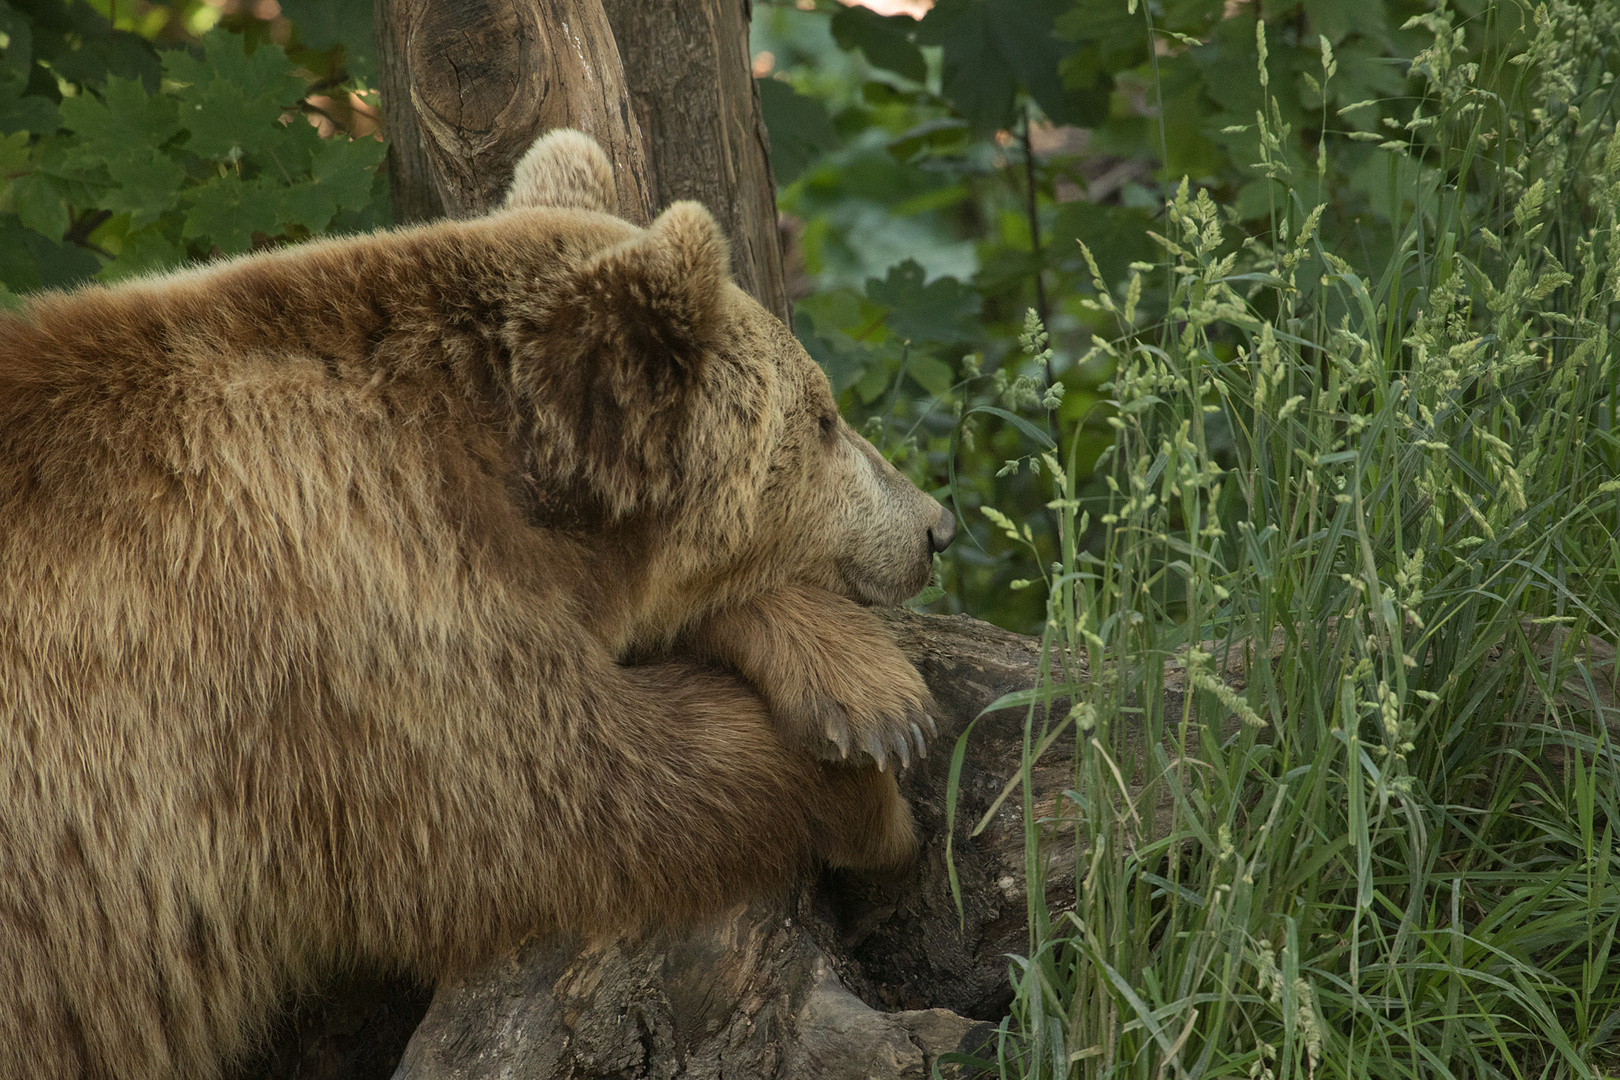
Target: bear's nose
[[943, 531]]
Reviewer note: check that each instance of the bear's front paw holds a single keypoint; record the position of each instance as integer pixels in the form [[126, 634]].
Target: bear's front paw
[[836, 682], [888, 720]]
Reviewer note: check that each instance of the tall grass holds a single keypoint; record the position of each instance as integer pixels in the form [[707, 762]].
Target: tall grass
[[1368, 517]]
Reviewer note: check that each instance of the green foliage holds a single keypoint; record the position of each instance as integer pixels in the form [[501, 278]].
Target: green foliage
[[919, 244], [992, 49], [805, 132], [1329, 628], [932, 122], [887, 42], [121, 158], [340, 27]]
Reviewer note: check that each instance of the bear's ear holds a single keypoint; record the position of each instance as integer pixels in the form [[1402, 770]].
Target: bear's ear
[[612, 363], [652, 306], [564, 168]]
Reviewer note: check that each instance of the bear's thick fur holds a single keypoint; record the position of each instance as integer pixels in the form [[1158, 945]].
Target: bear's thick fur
[[376, 601]]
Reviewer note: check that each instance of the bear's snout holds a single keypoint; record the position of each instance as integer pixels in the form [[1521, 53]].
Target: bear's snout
[[943, 531]]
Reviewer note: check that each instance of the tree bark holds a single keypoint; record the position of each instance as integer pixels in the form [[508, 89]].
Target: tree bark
[[691, 79], [410, 186], [467, 85], [472, 83]]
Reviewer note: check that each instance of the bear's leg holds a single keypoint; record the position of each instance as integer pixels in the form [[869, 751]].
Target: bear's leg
[[715, 805], [643, 795], [830, 670]]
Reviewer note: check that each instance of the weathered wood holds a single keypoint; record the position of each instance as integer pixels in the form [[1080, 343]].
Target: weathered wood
[[750, 995], [689, 71], [699, 131], [410, 186], [477, 81]]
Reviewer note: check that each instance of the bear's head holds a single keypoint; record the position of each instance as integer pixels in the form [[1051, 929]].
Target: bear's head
[[694, 422]]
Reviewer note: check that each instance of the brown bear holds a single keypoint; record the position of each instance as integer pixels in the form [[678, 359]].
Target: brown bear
[[376, 601]]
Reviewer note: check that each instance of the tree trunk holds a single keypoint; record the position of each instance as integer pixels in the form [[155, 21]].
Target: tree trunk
[[410, 187], [691, 78], [468, 85]]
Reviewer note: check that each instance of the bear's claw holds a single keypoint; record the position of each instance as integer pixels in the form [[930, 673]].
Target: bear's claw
[[837, 728], [907, 741], [904, 740]]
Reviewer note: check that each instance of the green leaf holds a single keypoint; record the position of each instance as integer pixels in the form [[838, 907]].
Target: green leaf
[[875, 379], [40, 207], [222, 120], [58, 265], [978, 78], [1116, 235], [844, 361], [341, 177], [1364, 73], [79, 45], [376, 213], [886, 40], [943, 310], [942, 134], [19, 270], [121, 117], [145, 250], [799, 127], [323, 24], [19, 37], [13, 154], [228, 211], [282, 151], [80, 170], [122, 128], [147, 184], [1336, 19], [265, 73], [120, 53], [24, 113], [347, 166], [229, 98], [994, 47], [310, 205], [932, 374]]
